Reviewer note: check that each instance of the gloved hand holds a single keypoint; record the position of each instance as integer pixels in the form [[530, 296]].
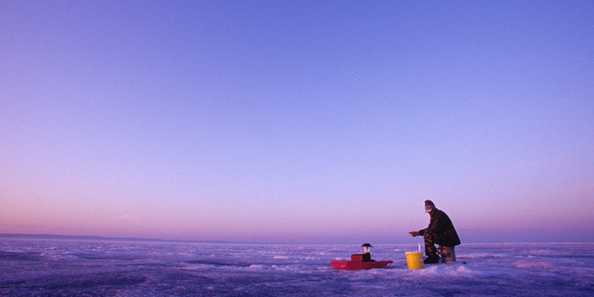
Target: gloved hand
[[414, 233]]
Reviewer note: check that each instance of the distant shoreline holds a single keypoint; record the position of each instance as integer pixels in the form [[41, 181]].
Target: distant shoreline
[[98, 237], [140, 239]]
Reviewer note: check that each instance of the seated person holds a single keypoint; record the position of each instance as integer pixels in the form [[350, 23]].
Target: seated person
[[367, 252], [365, 256], [440, 231]]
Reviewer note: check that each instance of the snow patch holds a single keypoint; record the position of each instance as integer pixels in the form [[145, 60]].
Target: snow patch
[[532, 264], [256, 267]]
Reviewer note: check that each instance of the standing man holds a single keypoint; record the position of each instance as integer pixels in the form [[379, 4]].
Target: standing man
[[440, 231]]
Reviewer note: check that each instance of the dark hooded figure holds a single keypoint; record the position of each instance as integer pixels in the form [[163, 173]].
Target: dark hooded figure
[[367, 252], [440, 231]]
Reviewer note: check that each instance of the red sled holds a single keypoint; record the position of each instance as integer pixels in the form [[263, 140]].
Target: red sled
[[359, 265]]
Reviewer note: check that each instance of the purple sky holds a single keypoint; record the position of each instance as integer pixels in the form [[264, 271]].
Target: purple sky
[[297, 121]]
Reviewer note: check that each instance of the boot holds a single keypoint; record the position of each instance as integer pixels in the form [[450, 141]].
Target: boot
[[431, 260]]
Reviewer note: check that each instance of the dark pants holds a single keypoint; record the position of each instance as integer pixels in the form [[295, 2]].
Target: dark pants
[[447, 253], [430, 249]]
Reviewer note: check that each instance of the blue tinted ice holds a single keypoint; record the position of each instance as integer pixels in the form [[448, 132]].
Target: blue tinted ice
[[134, 268]]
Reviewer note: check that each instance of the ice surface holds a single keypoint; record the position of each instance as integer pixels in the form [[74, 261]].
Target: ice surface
[[30, 267]]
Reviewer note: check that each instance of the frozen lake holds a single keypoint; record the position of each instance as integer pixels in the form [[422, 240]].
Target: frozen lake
[[36, 267]]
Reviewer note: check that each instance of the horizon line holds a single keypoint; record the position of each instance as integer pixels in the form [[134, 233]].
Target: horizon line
[[134, 238]]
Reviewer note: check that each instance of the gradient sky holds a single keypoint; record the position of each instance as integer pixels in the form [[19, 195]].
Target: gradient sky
[[297, 120]]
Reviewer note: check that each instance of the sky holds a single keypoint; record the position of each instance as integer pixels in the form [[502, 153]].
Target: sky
[[313, 121]]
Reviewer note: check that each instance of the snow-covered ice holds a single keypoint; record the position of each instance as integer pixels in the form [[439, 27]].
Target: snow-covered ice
[[36, 267]]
